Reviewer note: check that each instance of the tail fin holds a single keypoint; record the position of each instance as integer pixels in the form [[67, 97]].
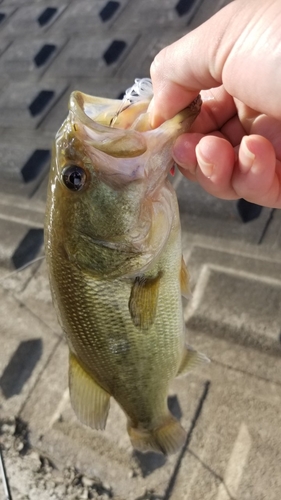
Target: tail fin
[[168, 438]]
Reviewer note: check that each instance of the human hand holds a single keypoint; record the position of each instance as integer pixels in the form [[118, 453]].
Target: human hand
[[234, 148]]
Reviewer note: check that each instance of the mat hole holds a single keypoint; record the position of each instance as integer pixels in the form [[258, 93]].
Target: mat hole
[[114, 51], [40, 102], [28, 248], [46, 15], [121, 95], [108, 11], [183, 6], [35, 164], [43, 54], [174, 407], [20, 367], [248, 211]]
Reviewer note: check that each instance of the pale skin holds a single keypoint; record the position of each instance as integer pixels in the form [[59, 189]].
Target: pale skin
[[234, 150]]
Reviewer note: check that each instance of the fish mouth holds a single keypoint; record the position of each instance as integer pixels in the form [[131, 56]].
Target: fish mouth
[[92, 118], [122, 129], [114, 113], [93, 109], [124, 114]]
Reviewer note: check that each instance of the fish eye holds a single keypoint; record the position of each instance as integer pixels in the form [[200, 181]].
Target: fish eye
[[74, 177]]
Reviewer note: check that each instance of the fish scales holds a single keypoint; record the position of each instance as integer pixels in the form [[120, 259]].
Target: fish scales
[[113, 247], [95, 334]]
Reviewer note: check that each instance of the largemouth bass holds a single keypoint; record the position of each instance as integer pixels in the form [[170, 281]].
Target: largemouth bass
[[113, 248]]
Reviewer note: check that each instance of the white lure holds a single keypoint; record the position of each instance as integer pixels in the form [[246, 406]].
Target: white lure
[[141, 90]]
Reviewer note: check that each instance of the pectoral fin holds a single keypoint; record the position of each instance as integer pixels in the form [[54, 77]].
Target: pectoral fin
[[184, 279], [191, 359], [89, 401], [143, 300]]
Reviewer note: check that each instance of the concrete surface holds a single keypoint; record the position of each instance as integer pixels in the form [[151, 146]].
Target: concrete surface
[[231, 408]]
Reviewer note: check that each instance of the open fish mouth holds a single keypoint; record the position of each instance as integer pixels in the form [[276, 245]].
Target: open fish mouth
[[130, 113], [108, 112], [91, 118], [122, 129]]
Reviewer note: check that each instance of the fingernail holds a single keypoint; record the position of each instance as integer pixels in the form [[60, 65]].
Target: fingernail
[[246, 156], [154, 119], [150, 110], [151, 105], [206, 167]]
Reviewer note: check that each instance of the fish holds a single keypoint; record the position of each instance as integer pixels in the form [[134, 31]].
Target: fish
[[114, 257]]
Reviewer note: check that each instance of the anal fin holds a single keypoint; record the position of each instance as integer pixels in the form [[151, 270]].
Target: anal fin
[[89, 401], [191, 359]]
